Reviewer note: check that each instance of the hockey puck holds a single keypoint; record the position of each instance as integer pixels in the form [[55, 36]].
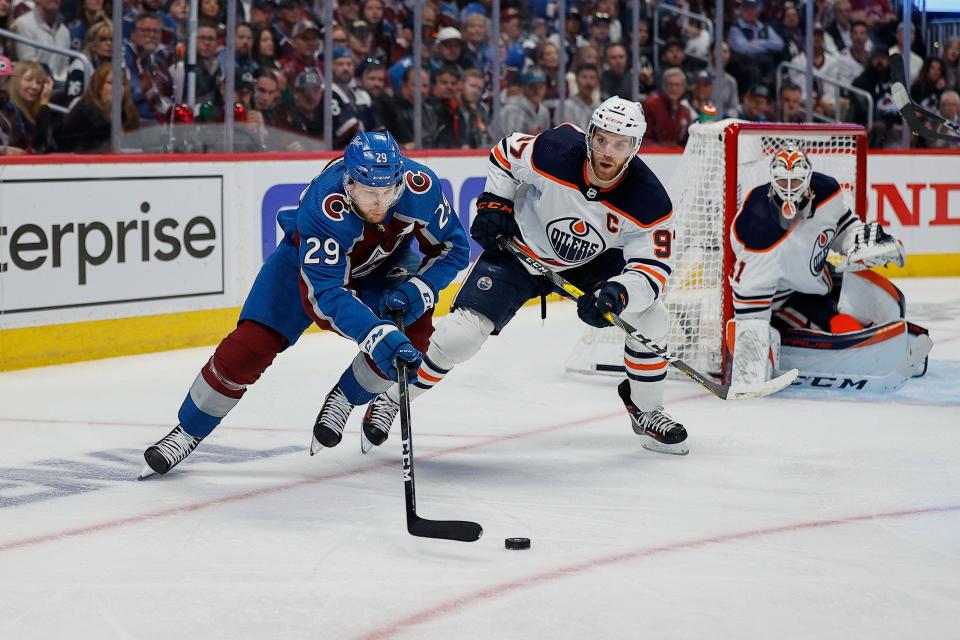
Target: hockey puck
[[517, 544]]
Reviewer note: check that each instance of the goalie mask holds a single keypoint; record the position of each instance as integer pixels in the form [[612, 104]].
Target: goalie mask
[[790, 174], [621, 117]]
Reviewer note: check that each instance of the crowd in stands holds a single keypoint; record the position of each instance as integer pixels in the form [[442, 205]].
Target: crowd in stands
[[49, 104]]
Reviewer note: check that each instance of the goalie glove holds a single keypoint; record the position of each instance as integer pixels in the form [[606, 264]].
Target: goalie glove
[[872, 247]]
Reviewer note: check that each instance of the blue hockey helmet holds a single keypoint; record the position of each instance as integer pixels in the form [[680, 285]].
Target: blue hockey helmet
[[373, 159]]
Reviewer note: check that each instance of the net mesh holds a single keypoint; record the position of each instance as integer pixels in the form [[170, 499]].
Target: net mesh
[[697, 289]]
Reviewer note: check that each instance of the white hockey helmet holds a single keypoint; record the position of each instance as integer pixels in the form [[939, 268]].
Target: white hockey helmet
[[620, 116], [790, 175]]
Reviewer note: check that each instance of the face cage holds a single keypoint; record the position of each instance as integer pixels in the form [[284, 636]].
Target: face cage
[[348, 183], [591, 129], [792, 201]]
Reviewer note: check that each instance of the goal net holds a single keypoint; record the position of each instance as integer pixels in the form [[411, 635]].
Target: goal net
[[721, 163]]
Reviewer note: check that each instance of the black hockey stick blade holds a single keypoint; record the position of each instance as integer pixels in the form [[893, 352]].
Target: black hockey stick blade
[[722, 391], [459, 530], [912, 112]]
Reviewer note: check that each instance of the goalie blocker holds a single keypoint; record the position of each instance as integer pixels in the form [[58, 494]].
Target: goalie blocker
[[866, 345]]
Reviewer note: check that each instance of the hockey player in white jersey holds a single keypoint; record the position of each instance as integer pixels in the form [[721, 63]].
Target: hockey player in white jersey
[[841, 327], [585, 204]]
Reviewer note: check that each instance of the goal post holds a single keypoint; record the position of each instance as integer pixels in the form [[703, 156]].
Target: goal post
[[721, 163]]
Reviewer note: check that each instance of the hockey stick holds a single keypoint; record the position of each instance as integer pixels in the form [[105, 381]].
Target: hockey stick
[[722, 391], [909, 109], [417, 526]]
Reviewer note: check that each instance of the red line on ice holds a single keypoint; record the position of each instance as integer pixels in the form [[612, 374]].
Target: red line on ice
[[455, 605]]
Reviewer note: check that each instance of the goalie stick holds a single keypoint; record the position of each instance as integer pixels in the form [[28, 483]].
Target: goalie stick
[[910, 109], [722, 391], [459, 530]]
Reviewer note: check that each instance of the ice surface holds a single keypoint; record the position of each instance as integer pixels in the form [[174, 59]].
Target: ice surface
[[795, 516]]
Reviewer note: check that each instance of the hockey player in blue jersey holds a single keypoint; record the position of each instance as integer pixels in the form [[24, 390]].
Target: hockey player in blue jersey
[[345, 262], [584, 203]]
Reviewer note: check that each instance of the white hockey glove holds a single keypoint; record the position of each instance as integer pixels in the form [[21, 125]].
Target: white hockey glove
[[872, 247]]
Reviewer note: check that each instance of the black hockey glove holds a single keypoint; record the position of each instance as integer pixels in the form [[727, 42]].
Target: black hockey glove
[[612, 298], [494, 218]]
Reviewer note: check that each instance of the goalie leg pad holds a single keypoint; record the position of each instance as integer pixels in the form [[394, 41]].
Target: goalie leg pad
[[754, 347], [875, 351], [871, 298], [646, 371]]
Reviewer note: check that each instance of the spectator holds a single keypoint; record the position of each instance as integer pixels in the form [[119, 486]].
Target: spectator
[[727, 100], [98, 49], [262, 15], [245, 62], [526, 113], [476, 40], [668, 114], [755, 46], [347, 11], [579, 107], [585, 55], [951, 61], [448, 48], [549, 63], [612, 9], [373, 78], [360, 42], [148, 69], [447, 129], [916, 62], [878, 14], [599, 31], [851, 62], [266, 97], [91, 12], [793, 35], [876, 81], [477, 115], [211, 12], [289, 14], [86, 129], [929, 85], [44, 24], [265, 47], [615, 81], [13, 138], [823, 64], [396, 111], [208, 74], [383, 31], [306, 48], [573, 39], [30, 92], [949, 111], [6, 21], [698, 42], [701, 92], [179, 13], [510, 25], [672, 56], [756, 104], [352, 108], [306, 116], [791, 107], [840, 31], [168, 35]]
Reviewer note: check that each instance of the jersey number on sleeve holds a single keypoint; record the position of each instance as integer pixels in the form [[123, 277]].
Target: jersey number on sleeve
[[738, 270], [330, 247], [662, 242], [522, 141]]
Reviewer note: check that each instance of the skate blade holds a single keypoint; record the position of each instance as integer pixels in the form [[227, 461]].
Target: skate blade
[[365, 444], [315, 446], [146, 472], [679, 449]]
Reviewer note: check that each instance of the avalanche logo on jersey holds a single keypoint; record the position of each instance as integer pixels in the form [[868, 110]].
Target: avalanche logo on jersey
[[574, 240], [820, 250]]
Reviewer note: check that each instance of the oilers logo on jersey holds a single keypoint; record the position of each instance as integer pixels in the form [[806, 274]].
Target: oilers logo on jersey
[[820, 250], [574, 240]]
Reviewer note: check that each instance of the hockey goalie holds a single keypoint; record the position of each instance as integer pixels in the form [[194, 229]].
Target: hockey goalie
[[793, 308]]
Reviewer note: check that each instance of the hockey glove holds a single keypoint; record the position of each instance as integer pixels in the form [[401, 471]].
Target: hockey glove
[[414, 297], [396, 345], [611, 298], [872, 247], [494, 218]]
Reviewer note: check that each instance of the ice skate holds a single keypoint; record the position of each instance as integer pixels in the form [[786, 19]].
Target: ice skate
[[377, 422], [328, 429], [657, 430], [168, 452]]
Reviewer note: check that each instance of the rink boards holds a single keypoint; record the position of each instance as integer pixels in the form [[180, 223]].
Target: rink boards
[[102, 257]]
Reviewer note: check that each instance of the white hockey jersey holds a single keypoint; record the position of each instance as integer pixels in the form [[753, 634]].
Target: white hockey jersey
[[567, 221], [772, 263]]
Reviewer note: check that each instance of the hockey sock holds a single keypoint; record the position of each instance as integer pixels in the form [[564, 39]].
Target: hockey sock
[[646, 373], [428, 376], [239, 361]]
